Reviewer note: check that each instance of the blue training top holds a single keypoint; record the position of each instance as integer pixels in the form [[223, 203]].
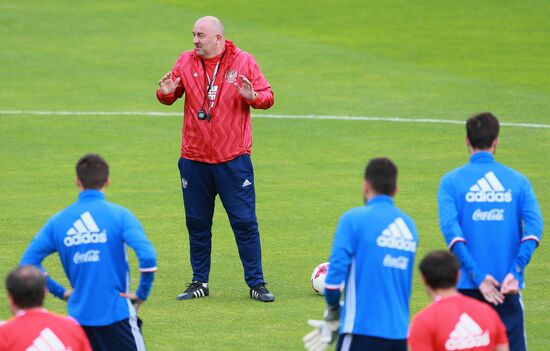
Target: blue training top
[[492, 210], [90, 238], [373, 252]]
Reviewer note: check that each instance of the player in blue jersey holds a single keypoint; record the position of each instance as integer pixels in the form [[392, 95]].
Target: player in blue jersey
[[90, 237], [373, 253], [492, 222]]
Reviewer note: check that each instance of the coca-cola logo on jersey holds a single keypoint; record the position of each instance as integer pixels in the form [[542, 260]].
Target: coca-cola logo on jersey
[[86, 257], [494, 215]]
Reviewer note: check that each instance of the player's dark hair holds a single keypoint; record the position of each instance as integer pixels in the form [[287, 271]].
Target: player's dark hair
[[93, 171], [481, 130], [381, 173], [27, 286], [439, 269]]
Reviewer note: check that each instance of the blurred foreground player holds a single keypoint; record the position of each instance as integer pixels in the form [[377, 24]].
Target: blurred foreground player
[[453, 321], [90, 237], [33, 328], [373, 253], [491, 220]]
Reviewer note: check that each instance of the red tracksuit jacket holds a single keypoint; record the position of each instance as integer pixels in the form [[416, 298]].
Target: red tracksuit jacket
[[228, 134]]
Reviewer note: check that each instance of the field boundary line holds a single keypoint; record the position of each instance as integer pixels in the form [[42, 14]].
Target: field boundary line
[[265, 115]]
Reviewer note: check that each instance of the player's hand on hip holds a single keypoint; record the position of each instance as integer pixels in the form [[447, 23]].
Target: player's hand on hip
[[67, 294], [167, 85], [245, 87], [510, 285], [133, 297], [489, 288]]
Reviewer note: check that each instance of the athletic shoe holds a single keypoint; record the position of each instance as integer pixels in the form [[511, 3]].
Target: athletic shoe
[[194, 289], [260, 293]]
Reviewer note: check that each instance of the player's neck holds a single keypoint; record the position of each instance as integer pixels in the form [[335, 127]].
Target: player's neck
[[22, 311], [439, 294], [476, 151]]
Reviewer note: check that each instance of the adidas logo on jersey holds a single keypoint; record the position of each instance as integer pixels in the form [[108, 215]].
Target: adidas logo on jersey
[[397, 236], [246, 183], [488, 189], [85, 231], [47, 341], [467, 334]]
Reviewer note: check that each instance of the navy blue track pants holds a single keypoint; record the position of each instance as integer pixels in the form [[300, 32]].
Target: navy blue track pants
[[234, 182], [511, 314]]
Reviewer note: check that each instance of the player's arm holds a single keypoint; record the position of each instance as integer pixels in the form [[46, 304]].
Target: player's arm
[[261, 96], [134, 236], [343, 248], [170, 86], [39, 248], [450, 227], [326, 330], [531, 235]]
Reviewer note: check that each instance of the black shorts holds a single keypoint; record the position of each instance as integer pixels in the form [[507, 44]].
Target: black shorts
[[356, 342], [124, 335]]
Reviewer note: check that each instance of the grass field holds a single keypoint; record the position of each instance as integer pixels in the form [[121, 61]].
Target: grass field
[[422, 59]]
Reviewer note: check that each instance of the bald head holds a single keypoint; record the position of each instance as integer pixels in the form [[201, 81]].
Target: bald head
[[208, 37], [212, 23]]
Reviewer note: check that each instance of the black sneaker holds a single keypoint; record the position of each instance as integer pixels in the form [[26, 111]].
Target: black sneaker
[[194, 289], [260, 293]]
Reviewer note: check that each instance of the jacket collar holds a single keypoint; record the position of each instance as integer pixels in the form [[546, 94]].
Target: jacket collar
[[90, 194], [379, 199], [482, 157]]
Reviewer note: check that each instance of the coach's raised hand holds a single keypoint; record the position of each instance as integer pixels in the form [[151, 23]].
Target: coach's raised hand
[[246, 89], [167, 85]]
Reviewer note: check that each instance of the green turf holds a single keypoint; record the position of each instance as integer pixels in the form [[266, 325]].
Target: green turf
[[392, 58]]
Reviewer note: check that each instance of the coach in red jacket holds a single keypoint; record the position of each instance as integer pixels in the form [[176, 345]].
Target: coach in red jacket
[[220, 82]]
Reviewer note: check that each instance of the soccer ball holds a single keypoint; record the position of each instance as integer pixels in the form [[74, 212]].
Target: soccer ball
[[318, 277]]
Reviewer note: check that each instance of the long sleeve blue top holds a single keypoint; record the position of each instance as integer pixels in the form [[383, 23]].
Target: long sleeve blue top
[[373, 253], [490, 218], [90, 237]]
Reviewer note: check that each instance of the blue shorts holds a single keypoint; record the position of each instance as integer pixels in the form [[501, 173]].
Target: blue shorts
[[511, 313], [124, 335], [356, 342]]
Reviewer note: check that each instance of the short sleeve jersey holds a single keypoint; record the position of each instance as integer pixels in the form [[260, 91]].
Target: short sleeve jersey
[[457, 322], [38, 329]]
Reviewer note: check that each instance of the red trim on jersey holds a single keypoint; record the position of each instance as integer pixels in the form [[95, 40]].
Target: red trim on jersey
[[531, 237], [152, 269], [456, 240]]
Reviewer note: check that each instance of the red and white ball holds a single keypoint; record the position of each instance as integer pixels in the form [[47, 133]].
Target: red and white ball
[[318, 277]]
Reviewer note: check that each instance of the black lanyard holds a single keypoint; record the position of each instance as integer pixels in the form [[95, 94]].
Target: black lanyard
[[206, 113], [211, 82]]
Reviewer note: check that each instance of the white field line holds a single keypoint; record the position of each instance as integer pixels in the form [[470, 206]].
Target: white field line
[[274, 116]]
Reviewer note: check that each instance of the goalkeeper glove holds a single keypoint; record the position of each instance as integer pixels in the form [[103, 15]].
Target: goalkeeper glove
[[325, 332]]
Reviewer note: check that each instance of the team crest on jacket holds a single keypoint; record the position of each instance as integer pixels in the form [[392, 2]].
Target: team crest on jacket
[[231, 76]]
